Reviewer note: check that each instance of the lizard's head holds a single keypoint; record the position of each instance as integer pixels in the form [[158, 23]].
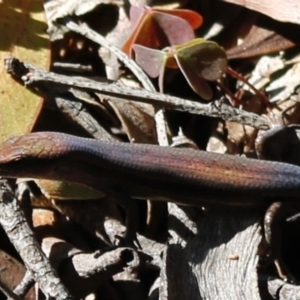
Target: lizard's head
[[20, 155]]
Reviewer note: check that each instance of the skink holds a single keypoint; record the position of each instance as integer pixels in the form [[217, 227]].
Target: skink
[[183, 176]]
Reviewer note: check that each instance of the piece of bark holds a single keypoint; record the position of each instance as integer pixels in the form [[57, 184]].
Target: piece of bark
[[281, 290], [218, 263]]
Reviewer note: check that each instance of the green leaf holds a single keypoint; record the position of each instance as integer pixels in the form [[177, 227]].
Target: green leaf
[[200, 59]]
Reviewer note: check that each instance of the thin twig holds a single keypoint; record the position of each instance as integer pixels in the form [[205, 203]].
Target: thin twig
[[84, 30], [14, 223], [25, 285], [72, 106], [34, 77]]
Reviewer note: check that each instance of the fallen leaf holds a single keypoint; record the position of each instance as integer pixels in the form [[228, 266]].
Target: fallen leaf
[[281, 10], [259, 41], [12, 272], [23, 34]]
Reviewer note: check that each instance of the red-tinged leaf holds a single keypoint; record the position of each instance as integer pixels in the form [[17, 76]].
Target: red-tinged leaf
[[154, 62], [172, 30], [193, 18], [144, 33], [159, 28], [135, 14], [150, 60]]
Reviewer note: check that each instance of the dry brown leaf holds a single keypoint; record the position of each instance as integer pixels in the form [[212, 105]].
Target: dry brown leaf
[[23, 34], [281, 10], [259, 41], [12, 272]]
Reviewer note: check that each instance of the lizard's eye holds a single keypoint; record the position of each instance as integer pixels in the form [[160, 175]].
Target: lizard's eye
[[18, 157]]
